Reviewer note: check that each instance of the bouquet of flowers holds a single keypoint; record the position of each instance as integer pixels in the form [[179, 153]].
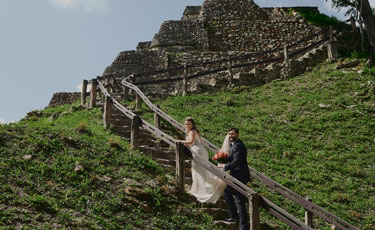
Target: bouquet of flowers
[[220, 157]]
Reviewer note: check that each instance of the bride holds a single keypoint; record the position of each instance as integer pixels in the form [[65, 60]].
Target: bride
[[206, 187]]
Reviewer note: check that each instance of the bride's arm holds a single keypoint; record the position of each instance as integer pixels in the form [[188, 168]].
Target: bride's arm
[[189, 139]]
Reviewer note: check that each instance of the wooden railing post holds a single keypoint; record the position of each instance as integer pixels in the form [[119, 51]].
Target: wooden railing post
[[184, 81], [125, 93], [138, 102], [136, 123], [180, 166], [157, 118], [308, 216], [286, 56], [230, 72], [84, 92], [254, 212], [332, 46], [107, 112], [131, 80], [94, 85]]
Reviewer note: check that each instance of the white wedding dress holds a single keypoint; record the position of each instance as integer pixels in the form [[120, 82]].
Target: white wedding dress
[[206, 187]]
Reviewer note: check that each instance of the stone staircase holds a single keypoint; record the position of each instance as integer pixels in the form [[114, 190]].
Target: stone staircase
[[165, 156]]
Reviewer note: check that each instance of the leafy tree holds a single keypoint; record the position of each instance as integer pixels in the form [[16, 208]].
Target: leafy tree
[[366, 15]]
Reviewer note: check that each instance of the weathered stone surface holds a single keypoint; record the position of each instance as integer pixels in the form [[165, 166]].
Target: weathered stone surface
[[191, 13], [64, 99], [143, 46], [180, 35], [224, 29], [224, 10], [129, 62]]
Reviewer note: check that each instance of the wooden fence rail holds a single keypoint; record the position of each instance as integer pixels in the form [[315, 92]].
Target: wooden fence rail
[[306, 204], [240, 187], [254, 201]]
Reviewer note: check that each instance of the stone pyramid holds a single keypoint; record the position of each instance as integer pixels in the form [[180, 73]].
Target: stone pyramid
[[231, 10]]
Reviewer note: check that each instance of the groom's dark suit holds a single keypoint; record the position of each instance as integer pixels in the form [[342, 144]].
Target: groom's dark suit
[[237, 164]]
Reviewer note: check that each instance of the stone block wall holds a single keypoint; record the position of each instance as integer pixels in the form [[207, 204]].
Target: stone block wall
[[233, 25], [217, 30], [180, 35], [257, 35], [191, 13], [129, 62], [59, 99], [143, 46], [231, 10]]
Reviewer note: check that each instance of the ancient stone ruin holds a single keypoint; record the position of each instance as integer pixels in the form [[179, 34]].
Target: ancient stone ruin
[[218, 30]]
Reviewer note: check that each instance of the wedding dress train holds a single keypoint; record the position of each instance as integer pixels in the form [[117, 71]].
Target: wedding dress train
[[206, 187]]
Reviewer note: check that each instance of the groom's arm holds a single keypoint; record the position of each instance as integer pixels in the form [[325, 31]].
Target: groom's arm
[[236, 159]]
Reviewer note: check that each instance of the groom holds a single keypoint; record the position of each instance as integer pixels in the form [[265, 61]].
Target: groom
[[237, 164]]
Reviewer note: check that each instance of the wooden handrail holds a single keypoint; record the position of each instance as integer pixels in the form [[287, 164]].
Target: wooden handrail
[[233, 182], [317, 210], [240, 187], [270, 60]]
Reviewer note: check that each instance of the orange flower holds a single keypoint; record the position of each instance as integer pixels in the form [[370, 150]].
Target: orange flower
[[220, 156]]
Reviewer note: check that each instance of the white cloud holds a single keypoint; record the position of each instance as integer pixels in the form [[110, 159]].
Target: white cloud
[[79, 87], [101, 6], [2, 120]]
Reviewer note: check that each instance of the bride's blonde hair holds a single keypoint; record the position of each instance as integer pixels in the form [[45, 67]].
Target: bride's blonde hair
[[190, 119]]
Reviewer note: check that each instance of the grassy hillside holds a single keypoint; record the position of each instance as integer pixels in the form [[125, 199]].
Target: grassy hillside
[[68, 173], [314, 134]]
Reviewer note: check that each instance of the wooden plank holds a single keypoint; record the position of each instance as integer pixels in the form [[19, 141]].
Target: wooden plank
[[136, 123], [138, 102], [107, 112], [315, 209], [125, 93], [157, 119], [293, 196], [94, 84], [184, 81], [254, 212], [283, 215], [286, 56], [83, 92], [309, 216], [180, 167]]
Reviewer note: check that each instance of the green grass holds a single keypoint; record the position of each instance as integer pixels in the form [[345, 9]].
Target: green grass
[[68, 173], [315, 18], [324, 152]]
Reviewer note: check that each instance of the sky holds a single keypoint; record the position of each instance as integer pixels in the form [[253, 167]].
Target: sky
[[49, 46]]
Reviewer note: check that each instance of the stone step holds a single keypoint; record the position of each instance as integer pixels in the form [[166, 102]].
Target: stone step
[[159, 143], [119, 116], [158, 153], [172, 169], [226, 225], [219, 204], [120, 122], [171, 162], [217, 213]]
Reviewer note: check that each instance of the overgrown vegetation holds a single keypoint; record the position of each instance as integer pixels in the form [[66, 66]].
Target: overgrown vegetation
[[314, 134], [59, 169], [315, 18]]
